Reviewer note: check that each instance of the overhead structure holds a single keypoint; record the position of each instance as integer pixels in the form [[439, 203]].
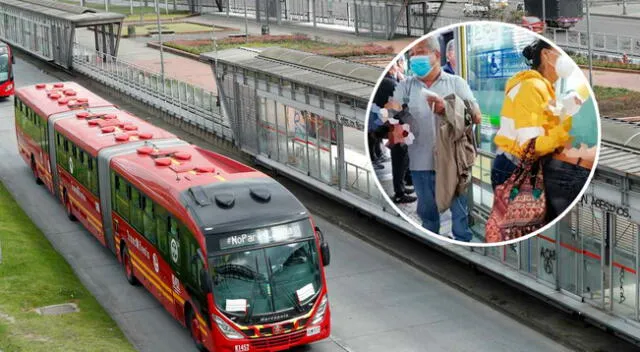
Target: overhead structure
[[378, 18], [296, 107], [47, 28]]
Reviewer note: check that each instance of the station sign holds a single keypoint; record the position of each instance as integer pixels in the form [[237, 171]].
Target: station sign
[[350, 122], [609, 199]]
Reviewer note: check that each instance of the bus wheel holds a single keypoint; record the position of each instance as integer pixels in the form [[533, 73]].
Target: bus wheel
[[194, 329], [128, 267], [34, 169], [67, 205]]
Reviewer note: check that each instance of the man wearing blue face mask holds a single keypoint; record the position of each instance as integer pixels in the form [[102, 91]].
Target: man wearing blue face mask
[[422, 93]]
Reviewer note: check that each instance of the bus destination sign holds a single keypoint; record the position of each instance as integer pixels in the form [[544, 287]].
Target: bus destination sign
[[282, 233]]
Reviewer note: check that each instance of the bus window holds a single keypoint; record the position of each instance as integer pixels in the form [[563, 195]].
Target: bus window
[[122, 199], [115, 183], [136, 210], [148, 220], [161, 224], [4, 68]]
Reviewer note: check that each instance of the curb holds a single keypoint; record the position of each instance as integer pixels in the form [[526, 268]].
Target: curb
[[617, 16], [188, 55], [611, 69]]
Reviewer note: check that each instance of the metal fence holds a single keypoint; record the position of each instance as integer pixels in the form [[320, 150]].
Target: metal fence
[[192, 104], [601, 43]]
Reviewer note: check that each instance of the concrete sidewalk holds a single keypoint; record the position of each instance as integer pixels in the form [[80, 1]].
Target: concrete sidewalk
[[616, 10], [136, 52]]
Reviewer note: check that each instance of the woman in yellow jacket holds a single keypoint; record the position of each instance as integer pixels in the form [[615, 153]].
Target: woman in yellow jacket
[[527, 111]]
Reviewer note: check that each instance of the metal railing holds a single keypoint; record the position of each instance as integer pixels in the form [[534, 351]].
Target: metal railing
[[601, 43], [185, 101], [358, 178]]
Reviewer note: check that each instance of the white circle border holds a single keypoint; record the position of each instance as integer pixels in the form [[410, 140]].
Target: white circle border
[[447, 239]]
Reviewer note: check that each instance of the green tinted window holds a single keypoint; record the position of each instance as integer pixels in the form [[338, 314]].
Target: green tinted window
[[148, 220], [122, 198], [136, 210], [161, 217]]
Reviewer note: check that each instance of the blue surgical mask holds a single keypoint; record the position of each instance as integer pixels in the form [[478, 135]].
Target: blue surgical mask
[[421, 65]]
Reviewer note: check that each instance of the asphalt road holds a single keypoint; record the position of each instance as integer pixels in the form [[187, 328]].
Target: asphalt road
[[599, 23]]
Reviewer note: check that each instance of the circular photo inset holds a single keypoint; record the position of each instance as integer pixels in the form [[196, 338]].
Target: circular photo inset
[[483, 133]]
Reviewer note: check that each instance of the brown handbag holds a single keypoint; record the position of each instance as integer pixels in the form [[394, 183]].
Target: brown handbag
[[519, 204]]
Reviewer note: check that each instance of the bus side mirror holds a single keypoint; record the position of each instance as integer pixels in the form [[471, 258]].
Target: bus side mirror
[[205, 282], [326, 254], [324, 248]]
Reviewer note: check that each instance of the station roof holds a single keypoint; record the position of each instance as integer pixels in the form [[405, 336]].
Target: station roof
[[79, 15], [317, 71], [41, 97], [620, 149], [93, 131]]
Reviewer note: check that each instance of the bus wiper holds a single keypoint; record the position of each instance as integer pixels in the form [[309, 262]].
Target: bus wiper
[[293, 298], [247, 318], [273, 289]]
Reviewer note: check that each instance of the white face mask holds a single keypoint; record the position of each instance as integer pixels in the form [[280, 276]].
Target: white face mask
[[564, 66]]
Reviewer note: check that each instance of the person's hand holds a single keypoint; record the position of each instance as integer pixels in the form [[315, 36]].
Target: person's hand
[[384, 114], [583, 152], [436, 103]]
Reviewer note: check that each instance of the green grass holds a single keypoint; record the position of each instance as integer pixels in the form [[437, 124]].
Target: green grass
[[179, 28], [582, 60], [152, 16], [603, 93], [32, 275], [304, 45], [292, 42]]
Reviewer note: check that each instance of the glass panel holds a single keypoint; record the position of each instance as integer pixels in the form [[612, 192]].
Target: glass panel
[[511, 254], [313, 125], [491, 46], [282, 132], [495, 252], [327, 141], [528, 256], [591, 233], [358, 175], [148, 221], [268, 128], [624, 271], [298, 141], [161, 225], [548, 257], [570, 252]]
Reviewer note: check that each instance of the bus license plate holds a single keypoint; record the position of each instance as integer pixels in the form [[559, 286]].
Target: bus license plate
[[313, 331], [242, 348]]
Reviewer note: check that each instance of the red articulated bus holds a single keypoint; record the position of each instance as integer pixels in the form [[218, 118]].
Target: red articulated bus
[[6, 70], [227, 250]]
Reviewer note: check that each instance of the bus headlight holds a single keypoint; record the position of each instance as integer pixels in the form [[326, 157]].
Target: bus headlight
[[8, 88], [322, 309], [227, 330]]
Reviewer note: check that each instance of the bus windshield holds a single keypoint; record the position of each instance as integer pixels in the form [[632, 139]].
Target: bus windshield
[[260, 283], [4, 68]]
